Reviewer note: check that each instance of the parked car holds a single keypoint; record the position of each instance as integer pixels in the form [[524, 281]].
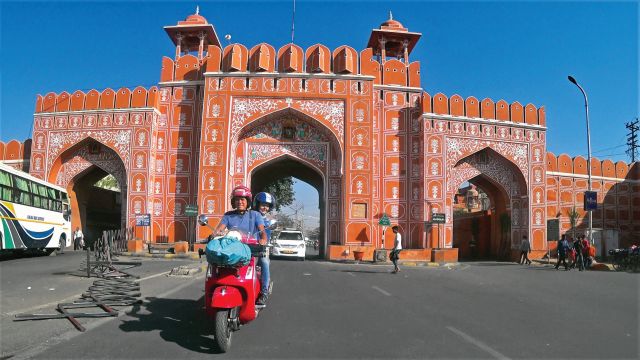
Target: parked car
[[290, 243]]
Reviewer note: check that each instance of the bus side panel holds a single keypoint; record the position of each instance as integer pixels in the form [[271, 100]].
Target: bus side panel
[[31, 227]]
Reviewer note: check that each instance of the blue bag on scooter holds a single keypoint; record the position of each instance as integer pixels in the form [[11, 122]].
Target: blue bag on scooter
[[227, 251]]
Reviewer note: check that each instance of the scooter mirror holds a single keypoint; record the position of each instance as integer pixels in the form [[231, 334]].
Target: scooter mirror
[[274, 224], [203, 220]]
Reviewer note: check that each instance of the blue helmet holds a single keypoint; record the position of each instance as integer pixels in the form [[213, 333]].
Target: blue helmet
[[264, 197]]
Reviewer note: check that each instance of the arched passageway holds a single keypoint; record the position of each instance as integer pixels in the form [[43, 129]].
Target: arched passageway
[[94, 209], [495, 224], [287, 166], [99, 209]]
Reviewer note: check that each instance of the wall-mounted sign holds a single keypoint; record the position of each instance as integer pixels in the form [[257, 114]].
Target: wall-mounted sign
[[143, 220]]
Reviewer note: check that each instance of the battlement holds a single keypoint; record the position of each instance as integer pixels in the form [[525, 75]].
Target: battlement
[[485, 109], [577, 165], [16, 154], [123, 98], [317, 59]]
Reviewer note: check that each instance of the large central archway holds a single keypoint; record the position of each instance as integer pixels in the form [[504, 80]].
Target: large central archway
[[291, 143]]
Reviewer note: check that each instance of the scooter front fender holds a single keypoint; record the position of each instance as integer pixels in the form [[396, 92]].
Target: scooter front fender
[[226, 297]]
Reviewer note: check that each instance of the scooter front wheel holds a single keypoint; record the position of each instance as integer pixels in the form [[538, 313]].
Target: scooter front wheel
[[223, 330]]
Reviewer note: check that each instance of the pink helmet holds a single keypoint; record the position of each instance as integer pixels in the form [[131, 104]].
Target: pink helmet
[[241, 191]]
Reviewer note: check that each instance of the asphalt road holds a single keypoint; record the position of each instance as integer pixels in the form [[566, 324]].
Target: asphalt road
[[327, 310], [38, 284]]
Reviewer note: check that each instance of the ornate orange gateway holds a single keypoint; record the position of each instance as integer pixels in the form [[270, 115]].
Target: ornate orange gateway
[[357, 126]]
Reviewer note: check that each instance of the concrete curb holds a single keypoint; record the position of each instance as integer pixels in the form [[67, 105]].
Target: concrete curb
[[594, 267], [193, 256], [407, 263]]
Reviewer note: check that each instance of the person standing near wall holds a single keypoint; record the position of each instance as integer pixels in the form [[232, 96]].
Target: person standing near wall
[[78, 242], [397, 247]]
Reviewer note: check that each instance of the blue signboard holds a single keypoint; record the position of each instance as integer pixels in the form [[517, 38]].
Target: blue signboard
[[590, 200], [143, 220]]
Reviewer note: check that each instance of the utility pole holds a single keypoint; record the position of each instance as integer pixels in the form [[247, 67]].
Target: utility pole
[[632, 139]]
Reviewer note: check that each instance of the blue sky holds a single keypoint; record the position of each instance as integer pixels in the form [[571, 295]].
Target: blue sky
[[517, 51]]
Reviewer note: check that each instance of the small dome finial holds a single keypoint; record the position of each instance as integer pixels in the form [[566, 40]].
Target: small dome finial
[[197, 9], [390, 15]]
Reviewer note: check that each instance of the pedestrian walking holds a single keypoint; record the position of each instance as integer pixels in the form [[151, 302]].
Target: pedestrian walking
[[78, 239], [397, 247], [563, 249], [525, 249], [585, 252], [577, 247]]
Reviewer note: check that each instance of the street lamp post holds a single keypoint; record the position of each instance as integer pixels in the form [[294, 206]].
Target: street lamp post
[[586, 107]]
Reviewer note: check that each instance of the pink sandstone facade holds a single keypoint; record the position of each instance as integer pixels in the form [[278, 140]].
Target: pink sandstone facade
[[355, 125]]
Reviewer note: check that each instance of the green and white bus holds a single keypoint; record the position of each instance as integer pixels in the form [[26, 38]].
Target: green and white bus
[[35, 214]]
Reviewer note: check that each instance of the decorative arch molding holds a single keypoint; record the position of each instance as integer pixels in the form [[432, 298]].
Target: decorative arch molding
[[117, 140], [81, 159], [318, 131], [314, 154], [516, 153], [329, 113], [492, 165]]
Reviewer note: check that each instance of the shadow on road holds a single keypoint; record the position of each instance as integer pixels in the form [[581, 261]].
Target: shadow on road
[[181, 321]]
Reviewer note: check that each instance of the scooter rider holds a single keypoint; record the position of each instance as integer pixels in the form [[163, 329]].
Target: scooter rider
[[264, 203], [242, 217]]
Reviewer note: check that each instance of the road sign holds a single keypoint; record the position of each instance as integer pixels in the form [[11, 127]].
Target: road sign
[[143, 220], [191, 210], [590, 200], [438, 218], [384, 220]]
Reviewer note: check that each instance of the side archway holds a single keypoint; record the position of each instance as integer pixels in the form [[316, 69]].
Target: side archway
[[506, 220], [94, 209]]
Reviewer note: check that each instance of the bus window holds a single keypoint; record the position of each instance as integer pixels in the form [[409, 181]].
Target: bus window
[[6, 186], [24, 198], [36, 201]]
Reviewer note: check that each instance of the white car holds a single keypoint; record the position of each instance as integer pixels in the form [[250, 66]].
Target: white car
[[290, 243]]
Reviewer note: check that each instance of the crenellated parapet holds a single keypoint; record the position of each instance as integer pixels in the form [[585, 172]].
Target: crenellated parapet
[[16, 154], [566, 165], [471, 107], [123, 98], [618, 194], [316, 60]]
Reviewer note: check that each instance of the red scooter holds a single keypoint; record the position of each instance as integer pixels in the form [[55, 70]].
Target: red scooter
[[231, 292]]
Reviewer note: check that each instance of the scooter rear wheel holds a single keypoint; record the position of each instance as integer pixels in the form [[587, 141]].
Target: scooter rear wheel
[[223, 331]]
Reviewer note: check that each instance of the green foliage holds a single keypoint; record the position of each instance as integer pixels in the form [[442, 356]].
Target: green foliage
[[573, 215], [282, 189], [108, 182], [284, 221]]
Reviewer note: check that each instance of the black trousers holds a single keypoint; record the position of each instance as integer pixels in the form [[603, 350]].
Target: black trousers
[[562, 258], [524, 257]]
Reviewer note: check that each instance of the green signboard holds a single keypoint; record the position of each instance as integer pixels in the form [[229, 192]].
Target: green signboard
[[384, 220], [438, 218], [191, 210]]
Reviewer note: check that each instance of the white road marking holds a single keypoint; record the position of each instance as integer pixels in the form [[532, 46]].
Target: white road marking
[[352, 274], [382, 291], [478, 343]]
